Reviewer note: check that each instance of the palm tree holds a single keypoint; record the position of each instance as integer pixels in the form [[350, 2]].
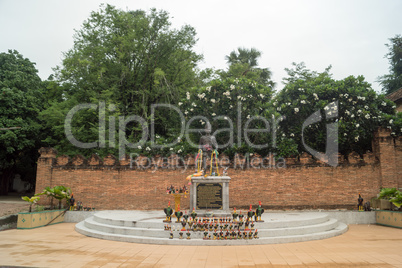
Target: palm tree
[[244, 62], [244, 55]]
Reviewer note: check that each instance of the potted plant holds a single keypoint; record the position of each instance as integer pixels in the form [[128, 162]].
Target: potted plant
[[385, 196], [396, 200], [33, 200], [58, 192], [390, 218], [28, 220]]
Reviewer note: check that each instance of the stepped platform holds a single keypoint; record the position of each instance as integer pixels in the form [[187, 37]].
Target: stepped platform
[[148, 227]]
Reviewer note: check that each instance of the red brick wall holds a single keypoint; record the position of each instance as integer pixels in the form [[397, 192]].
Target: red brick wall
[[110, 184]]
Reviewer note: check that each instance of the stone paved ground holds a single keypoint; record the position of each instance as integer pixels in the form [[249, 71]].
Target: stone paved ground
[[60, 246]]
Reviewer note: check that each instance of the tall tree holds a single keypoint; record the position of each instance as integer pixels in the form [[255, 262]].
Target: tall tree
[[20, 103], [131, 59], [243, 63], [393, 81]]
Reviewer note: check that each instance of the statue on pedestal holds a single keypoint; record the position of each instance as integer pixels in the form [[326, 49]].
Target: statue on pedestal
[[209, 147]]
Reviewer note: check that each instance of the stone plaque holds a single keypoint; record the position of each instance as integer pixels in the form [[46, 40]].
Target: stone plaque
[[209, 196]]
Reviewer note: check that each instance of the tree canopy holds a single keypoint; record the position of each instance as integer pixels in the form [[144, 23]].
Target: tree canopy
[[393, 81], [129, 59], [358, 108], [244, 63], [20, 104]]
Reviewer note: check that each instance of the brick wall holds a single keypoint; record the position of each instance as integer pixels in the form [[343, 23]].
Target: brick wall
[[304, 183]]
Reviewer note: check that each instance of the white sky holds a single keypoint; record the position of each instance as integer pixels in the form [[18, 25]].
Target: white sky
[[349, 35]]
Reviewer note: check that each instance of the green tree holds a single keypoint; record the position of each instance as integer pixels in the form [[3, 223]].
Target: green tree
[[359, 111], [243, 63], [131, 59], [393, 81], [20, 104], [230, 105]]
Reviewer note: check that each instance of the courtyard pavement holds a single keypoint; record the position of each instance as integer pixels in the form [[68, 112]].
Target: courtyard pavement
[[60, 246]]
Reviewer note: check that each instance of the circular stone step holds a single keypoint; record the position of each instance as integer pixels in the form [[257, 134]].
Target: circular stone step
[[148, 227]]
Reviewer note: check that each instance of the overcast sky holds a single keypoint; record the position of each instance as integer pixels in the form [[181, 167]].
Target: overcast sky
[[349, 35]]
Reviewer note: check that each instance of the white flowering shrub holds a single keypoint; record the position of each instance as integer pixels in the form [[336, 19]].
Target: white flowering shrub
[[358, 113], [228, 104]]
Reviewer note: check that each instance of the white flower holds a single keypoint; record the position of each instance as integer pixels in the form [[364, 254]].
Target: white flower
[[139, 147], [357, 125], [191, 109], [300, 89], [231, 106], [367, 116], [171, 149], [237, 80], [350, 99], [288, 104], [202, 123], [185, 112], [347, 112], [292, 135], [346, 95], [227, 93], [232, 87], [148, 149], [283, 135], [326, 108], [390, 121], [178, 139], [213, 100], [352, 116], [341, 95], [213, 114], [345, 134], [179, 151], [225, 118], [157, 136], [278, 109], [180, 103], [296, 110], [315, 96], [188, 95], [248, 116], [193, 104], [366, 107], [201, 96], [274, 104], [208, 89], [356, 138], [261, 95], [359, 111], [383, 103], [392, 133], [393, 107]]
